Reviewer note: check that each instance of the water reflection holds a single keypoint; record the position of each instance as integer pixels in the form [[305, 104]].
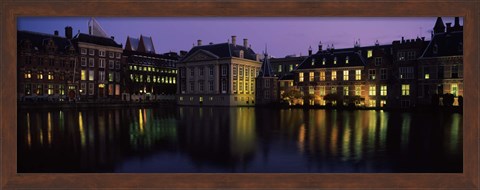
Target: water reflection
[[223, 139]]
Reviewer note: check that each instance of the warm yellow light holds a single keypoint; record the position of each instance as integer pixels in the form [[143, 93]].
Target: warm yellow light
[[101, 85], [427, 76]]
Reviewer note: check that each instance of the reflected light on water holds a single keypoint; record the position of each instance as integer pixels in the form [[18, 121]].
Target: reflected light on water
[[29, 133], [49, 129], [81, 129]]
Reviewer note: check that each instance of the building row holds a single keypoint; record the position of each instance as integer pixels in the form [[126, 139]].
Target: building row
[[404, 74], [92, 67]]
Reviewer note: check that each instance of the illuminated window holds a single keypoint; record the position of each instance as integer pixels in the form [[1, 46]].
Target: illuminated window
[[322, 90], [311, 90], [372, 103], [91, 75], [110, 89], [313, 61], [346, 60], [300, 77], [372, 90], [345, 75], [117, 90], [358, 90], [334, 75], [290, 68], [371, 74], [383, 90], [358, 74], [40, 75], [50, 89], [383, 103], [83, 88], [454, 89], [405, 89], [335, 61], [50, 75], [322, 75], [369, 53], [323, 61], [333, 90], [311, 76], [427, 76], [110, 77], [345, 91], [28, 74]]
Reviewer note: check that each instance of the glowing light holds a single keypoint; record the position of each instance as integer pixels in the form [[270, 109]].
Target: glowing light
[[29, 135], [301, 138], [49, 124], [81, 130]]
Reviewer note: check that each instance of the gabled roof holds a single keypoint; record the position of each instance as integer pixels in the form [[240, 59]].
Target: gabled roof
[[266, 69], [224, 50], [354, 59], [81, 37], [131, 44], [445, 44], [40, 40]]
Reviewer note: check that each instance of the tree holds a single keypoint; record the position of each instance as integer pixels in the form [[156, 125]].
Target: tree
[[291, 95], [460, 101], [448, 99], [331, 97]]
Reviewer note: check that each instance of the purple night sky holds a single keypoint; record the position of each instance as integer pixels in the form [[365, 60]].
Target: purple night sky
[[283, 36]]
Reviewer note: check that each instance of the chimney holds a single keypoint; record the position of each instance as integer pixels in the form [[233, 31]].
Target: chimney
[[403, 40], [320, 46], [449, 26], [55, 32], [234, 40], [112, 37], [457, 22], [310, 50], [68, 32], [199, 42], [245, 42]]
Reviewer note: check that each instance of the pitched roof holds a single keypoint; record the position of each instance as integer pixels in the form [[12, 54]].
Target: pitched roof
[[224, 50], [131, 44], [81, 37], [445, 44], [40, 40], [266, 69], [316, 60]]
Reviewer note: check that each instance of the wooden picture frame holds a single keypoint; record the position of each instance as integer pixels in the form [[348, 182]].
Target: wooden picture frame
[[11, 9]]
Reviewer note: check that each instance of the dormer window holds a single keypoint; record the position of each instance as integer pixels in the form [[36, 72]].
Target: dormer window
[[369, 53], [435, 49], [323, 61], [241, 54], [335, 60], [346, 60], [313, 61]]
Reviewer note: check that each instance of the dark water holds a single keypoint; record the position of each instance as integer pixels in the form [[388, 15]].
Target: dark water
[[192, 139]]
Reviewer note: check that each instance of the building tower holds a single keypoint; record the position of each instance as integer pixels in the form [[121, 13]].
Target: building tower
[[439, 26], [266, 83]]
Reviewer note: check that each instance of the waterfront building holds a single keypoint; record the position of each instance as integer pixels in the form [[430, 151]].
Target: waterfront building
[[441, 65], [405, 54], [148, 75], [218, 74], [266, 84], [100, 66], [45, 65], [378, 76], [333, 77]]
